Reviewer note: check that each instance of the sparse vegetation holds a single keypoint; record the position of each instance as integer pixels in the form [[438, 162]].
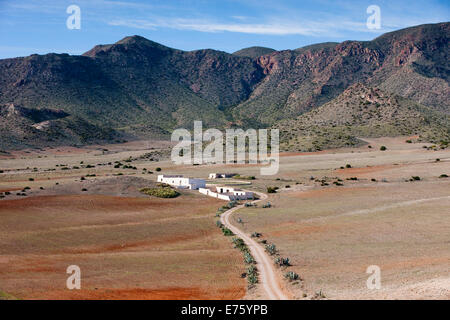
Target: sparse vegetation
[[161, 192], [272, 189], [271, 249], [282, 262], [227, 232], [291, 276]]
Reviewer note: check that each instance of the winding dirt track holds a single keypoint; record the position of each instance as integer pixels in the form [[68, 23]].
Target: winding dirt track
[[267, 274]]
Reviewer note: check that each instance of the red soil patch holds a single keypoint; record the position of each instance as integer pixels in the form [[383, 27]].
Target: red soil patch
[[147, 294], [10, 189], [38, 269], [165, 240], [291, 154], [90, 202]]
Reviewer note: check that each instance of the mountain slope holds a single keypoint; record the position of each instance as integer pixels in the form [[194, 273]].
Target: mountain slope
[[39, 127], [144, 89], [362, 111], [253, 52], [413, 63]]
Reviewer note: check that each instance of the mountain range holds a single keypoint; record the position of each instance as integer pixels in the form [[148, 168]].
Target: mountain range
[[137, 88]]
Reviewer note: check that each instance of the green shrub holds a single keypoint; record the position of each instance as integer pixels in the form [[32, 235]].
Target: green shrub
[[161, 192], [267, 205], [248, 258], [291, 276], [271, 249], [282, 262], [240, 244], [271, 190], [252, 279], [158, 169], [443, 176], [383, 148], [227, 232]]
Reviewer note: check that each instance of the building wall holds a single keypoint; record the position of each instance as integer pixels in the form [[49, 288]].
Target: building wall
[[228, 197], [182, 182]]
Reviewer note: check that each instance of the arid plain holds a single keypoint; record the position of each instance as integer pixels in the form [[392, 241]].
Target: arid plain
[[335, 213]]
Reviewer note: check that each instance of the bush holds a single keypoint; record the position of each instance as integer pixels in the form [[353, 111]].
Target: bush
[[271, 190], [30, 179], [291, 276], [227, 232], [251, 269], [158, 169], [383, 148], [161, 192], [282, 262], [271, 249], [248, 258], [267, 205], [240, 244], [348, 166], [415, 178], [443, 176], [252, 279]]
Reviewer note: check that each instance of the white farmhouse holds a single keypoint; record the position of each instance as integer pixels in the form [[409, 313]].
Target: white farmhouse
[[181, 182], [227, 193]]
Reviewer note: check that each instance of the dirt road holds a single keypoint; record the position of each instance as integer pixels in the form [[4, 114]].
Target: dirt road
[[267, 275]]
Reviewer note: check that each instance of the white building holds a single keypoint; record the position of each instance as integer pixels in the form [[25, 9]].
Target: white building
[[221, 175], [181, 182], [227, 193]]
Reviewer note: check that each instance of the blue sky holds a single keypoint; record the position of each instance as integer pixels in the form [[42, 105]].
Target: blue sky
[[39, 26]]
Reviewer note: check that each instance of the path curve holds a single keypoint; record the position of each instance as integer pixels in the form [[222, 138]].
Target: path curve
[[267, 274]]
